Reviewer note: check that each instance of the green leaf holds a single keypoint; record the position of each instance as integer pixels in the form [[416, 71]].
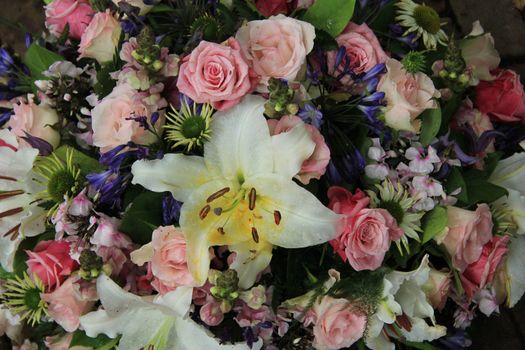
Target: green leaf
[[143, 216], [85, 163], [430, 124], [324, 41], [455, 181], [386, 15], [480, 190], [331, 16], [4, 275], [38, 59], [433, 223], [81, 339], [161, 8]]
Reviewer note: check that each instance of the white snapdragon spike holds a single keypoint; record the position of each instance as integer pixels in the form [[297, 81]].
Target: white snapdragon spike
[[241, 193], [19, 216], [403, 295], [162, 323]]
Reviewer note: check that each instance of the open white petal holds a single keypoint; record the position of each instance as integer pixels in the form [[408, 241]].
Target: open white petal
[[515, 270], [510, 173], [176, 173], [240, 145], [290, 150], [251, 258], [141, 323], [304, 221]]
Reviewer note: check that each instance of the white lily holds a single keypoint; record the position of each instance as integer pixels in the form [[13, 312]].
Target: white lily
[[19, 216], [163, 323], [510, 173], [514, 271], [403, 295], [241, 193]]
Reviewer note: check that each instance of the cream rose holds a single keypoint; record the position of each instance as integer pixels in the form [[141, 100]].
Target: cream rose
[[407, 96], [35, 120], [111, 118], [277, 46], [338, 324], [468, 231], [479, 53], [100, 39]]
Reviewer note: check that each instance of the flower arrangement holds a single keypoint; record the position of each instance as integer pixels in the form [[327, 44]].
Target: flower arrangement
[[268, 174]]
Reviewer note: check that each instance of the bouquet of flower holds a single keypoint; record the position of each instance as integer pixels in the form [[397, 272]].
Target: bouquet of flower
[[269, 174]]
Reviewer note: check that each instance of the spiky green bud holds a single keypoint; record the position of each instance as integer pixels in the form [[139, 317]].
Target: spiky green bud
[[414, 62]]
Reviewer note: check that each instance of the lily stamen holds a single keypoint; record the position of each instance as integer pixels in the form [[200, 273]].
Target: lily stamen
[[204, 212], [255, 235], [11, 212], [9, 194], [12, 232], [277, 217], [217, 194], [251, 199]]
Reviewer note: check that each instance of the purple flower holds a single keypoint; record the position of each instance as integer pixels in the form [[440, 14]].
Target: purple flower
[[170, 210], [311, 115]]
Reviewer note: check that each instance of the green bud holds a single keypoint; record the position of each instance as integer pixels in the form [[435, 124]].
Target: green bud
[[464, 78], [443, 74], [157, 65], [452, 75], [89, 260], [292, 108]]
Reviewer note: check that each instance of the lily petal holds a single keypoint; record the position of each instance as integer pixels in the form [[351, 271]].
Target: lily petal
[[206, 229], [251, 258], [175, 173], [240, 146], [291, 149], [515, 271], [302, 220]]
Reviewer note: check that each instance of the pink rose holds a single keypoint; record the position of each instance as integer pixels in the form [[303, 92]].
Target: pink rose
[[276, 47], [467, 233], [61, 342], [437, 288], [467, 115], [315, 166], [35, 120], [366, 238], [76, 13], [100, 39], [503, 98], [339, 324], [50, 262], [480, 273], [70, 301], [407, 96], [362, 49], [111, 118], [342, 201], [169, 263], [217, 74]]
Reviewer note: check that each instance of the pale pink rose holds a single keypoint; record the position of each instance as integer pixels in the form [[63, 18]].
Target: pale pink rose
[[70, 301], [339, 324], [169, 263], [76, 13], [59, 342], [479, 53], [211, 313], [480, 273], [111, 121], [407, 96], [437, 288], [216, 74], [362, 48], [35, 120], [468, 231], [468, 115], [100, 39], [366, 238], [50, 262], [277, 47], [315, 166], [344, 202]]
